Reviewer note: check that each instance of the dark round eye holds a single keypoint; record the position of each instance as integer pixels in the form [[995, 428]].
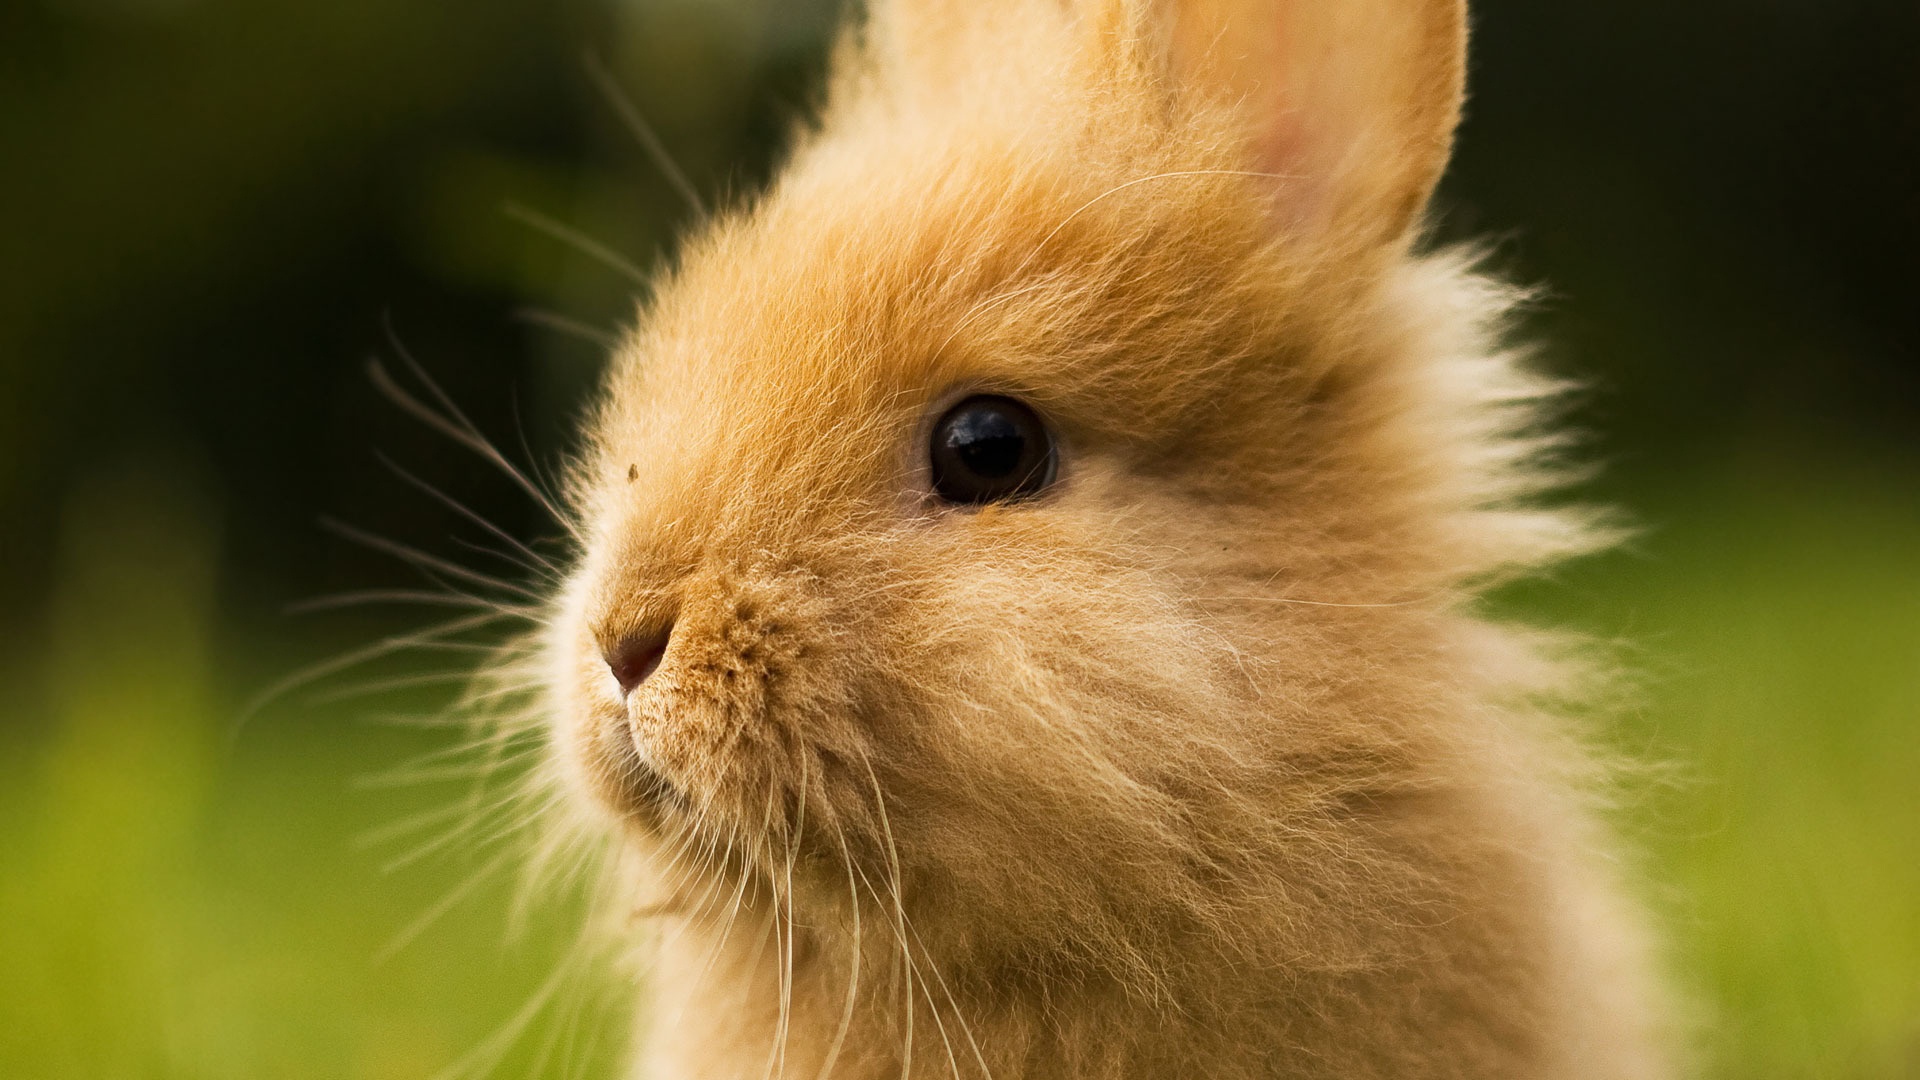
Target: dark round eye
[[989, 449]]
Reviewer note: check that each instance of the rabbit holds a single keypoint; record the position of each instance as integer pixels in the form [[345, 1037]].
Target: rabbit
[[1025, 623]]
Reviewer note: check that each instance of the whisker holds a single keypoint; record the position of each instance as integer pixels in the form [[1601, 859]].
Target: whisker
[[1320, 603], [441, 719], [415, 557], [783, 972], [983, 307], [454, 425], [553, 320], [853, 977], [603, 897], [448, 763], [511, 805], [440, 907], [419, 597], [966, 1028], [396, 830], [793, 850], [739, 898], [534, 560], [910, 971], [643, 132], [413, 776], [540, 480], [476, 648], [539, 572], [353, 658], [482, 1059], [577, 240], [480, 804], [415, 682]]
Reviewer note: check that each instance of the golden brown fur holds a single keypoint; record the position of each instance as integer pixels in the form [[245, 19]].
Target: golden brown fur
[[1202, 764]]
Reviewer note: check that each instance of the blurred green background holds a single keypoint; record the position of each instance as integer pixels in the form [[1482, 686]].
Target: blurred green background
[[214, 210]]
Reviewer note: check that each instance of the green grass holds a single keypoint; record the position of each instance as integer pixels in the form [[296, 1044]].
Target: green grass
[[173, 904], [1781, 650], [218, 918]]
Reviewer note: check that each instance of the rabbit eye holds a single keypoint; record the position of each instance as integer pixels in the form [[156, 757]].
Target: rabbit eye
[[990, 449]]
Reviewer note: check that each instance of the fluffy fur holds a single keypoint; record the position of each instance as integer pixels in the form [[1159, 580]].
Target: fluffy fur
[[1200, 765]]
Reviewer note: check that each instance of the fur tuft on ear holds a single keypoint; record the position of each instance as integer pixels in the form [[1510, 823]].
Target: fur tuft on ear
[[1351, 104]]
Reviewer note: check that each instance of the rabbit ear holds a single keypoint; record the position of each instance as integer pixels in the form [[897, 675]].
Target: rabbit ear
[[1352, 103]]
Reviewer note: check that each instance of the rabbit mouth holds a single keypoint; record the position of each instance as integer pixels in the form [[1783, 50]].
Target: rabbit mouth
[[646, 784], [724, 713], [620, 777]]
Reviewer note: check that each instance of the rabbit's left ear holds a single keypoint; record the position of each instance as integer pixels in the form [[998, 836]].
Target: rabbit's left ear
[[1352, 104]]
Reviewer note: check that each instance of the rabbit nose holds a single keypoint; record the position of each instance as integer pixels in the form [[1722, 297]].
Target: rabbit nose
[[635, 657]]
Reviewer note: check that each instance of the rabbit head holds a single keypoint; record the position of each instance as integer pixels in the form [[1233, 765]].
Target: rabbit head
[[1045, 513]]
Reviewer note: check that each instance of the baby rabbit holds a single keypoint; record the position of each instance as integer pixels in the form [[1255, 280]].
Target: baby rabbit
[[1025, 626]]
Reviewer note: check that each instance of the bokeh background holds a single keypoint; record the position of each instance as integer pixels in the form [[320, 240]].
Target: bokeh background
[[213, 213]]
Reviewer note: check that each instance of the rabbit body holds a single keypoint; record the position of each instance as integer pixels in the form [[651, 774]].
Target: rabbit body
[[1197, 764]]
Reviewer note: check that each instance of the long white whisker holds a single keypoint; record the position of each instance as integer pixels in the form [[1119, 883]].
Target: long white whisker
[[412, 776], [793, 839], [484, 1058], [356, 657], [419, 597], [533, 560], [853, 977], [413, 823], [1317, 603], [909, 974], [455, 426], [423, 560], [512, 808], [966, 1028], [910, 969], [411, 682]]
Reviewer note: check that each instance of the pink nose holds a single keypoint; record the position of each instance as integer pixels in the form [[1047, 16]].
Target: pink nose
[[635, 657]]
